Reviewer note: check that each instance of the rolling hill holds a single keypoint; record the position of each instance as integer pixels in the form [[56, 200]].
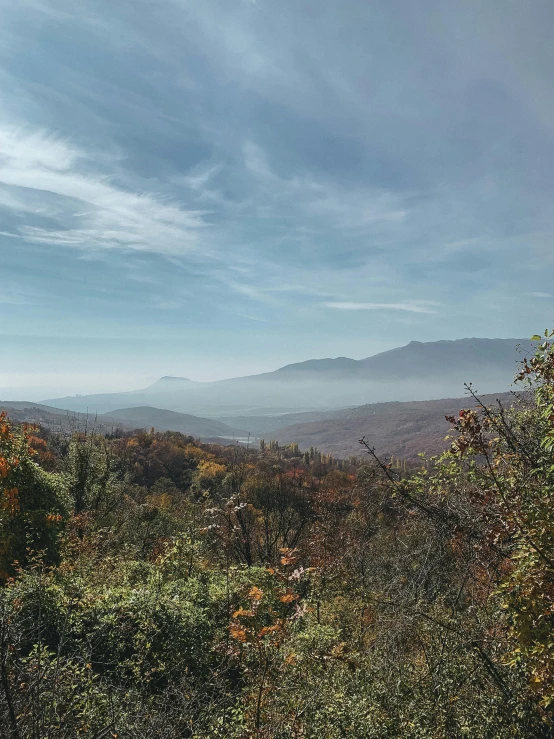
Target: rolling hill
[[160, 419], [400, 429], [126, 419], [59, 420]]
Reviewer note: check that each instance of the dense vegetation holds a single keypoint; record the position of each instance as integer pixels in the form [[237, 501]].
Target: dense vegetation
[[154, 586]]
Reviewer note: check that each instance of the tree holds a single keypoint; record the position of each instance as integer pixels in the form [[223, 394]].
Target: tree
[[33, 502]]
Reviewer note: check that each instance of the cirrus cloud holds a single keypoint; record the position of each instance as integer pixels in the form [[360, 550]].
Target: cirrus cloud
[[47, 176], [420, 306]]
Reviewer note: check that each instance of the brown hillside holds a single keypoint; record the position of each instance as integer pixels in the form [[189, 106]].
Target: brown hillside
[[400, 429]]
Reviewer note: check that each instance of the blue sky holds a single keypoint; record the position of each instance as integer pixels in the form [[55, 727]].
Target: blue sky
[[210, 188]]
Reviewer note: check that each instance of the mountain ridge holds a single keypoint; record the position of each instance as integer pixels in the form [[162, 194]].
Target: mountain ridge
[[416, 371]]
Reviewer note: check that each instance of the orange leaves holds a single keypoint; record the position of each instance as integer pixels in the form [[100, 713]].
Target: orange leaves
[[9, 461], [5, 427], [288, 597], [243, 612], [269, 629], [288, 556], [238, 633], [54, 518], [288, 560], [291, 659], [4, 467], [255, 594], [236, 629], [7, 465], [263, 622], [11, 501]]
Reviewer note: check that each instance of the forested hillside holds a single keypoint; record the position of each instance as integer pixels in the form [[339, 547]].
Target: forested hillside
[[403, 430], [156, 586]]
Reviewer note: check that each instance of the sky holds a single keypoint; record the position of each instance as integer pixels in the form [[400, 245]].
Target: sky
[[212, 188]]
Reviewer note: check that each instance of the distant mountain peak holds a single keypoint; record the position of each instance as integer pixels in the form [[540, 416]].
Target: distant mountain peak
[[169, 378], [168, 381]]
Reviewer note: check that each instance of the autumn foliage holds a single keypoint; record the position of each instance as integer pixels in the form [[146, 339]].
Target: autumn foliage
[[32, 505], [158, 586]]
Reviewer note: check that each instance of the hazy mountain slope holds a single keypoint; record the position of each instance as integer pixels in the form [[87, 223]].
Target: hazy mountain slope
[[148, 417], [168, 384], [432, 358], [399, 429], [127, 418], [461, 358], [262, 425], [418, 371], [58, 420], [24, 404]]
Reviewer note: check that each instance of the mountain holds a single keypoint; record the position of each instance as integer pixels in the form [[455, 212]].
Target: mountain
[[417, 371], [417, 359], [160, 419], [394, 429], [168, 384], [58, 420]]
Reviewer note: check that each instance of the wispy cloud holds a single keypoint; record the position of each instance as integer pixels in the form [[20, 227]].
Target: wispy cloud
[[320, 201], [424, 306], [8, 297], [86, 208], [213, 159]]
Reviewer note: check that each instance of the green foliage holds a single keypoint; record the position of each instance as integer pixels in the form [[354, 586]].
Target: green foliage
[[206, 591], [33, 502]]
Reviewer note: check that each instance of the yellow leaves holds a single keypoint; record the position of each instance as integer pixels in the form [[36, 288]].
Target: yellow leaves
[[194, 452], [162, 501], [209, 470]]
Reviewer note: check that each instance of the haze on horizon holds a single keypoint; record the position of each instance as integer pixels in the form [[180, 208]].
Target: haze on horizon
[[214, 188]]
